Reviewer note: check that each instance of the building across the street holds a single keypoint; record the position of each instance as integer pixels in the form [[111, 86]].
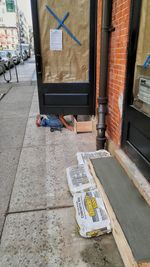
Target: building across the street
[[14, 28], [24, 28], [8, 26]]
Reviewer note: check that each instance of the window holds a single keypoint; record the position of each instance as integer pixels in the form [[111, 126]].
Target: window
[[141, 89]]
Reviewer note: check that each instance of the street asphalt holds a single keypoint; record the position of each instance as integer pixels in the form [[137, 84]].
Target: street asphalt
[[37, 218]]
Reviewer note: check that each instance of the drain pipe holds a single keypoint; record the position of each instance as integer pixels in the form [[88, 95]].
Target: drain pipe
[[103, 100]]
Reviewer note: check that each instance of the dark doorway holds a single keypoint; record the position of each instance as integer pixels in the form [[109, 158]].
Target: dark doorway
[[65, 50], [136, 126]]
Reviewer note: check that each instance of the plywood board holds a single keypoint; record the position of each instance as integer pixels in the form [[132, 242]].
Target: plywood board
[[129, 213], [72, 63]]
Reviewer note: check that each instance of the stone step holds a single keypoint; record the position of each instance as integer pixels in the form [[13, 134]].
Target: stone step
[[129, 212]]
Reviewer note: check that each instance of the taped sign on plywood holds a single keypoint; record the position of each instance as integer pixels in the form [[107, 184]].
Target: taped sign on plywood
[[55, 40], [61, 24]]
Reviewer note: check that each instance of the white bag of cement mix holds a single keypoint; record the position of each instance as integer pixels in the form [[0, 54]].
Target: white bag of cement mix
[[83, 157], [79, 179], [91, 214]]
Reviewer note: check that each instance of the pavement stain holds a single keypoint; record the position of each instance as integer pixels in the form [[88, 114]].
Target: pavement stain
[[97, 255]]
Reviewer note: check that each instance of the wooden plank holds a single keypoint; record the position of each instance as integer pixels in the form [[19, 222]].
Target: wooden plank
[[118, 233], [83, 126], [146, 264]]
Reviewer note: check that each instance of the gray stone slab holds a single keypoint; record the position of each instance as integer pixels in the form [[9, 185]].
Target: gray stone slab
[[36, 136], [35, 97], [17, 102], [8, 167], [12, 132], [4, 88], [40, 179], [131, 210], [34, 111], [34, 76], [19, 93], [86, 138], [10, 110], [50, 239]]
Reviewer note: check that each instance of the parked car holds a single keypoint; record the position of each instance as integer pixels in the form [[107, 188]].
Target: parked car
[[2, 67], [6, 59], [25, 48], [15, 56], [24, 55]]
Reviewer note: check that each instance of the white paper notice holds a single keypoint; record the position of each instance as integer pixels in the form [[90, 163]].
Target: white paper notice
[[55, 40]]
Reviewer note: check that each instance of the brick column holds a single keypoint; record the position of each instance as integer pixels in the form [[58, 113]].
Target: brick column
[[117, 68]]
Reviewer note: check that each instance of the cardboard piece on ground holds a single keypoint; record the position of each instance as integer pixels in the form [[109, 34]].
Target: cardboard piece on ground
[[83, 126]]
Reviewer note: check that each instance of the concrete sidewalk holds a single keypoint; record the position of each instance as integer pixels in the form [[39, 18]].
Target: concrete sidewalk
[[40, 228], [14, 112]]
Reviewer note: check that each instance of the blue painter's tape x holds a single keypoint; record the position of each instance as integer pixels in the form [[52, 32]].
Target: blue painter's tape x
[[61, 24], [147, 62]]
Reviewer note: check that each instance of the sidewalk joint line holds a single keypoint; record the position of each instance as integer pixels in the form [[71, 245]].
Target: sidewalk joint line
[[42, 209]]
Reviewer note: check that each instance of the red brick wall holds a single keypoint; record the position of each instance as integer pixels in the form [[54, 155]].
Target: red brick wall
[[117, 68], [117, 65]]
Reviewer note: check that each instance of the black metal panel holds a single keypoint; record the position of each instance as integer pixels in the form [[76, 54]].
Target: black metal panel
[[69, 99], [138, 159], [64, 110], [136, 125], [136, 138], [86, 106]]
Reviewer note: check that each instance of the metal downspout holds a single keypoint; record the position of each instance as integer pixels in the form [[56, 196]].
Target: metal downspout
[[103, 100]]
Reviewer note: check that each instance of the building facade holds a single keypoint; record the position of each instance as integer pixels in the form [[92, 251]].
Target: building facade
[[24, 28], [128, 88], [14, 28], [8, 27]]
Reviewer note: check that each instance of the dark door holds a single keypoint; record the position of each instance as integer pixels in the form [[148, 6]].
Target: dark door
[[136, 127], [65, 38]]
